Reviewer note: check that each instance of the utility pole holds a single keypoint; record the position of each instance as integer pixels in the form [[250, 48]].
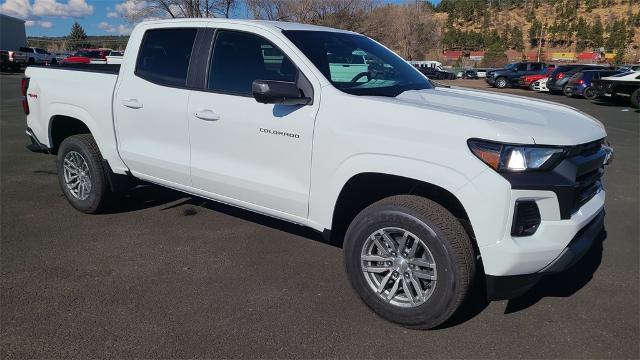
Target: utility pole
[[540, 40]]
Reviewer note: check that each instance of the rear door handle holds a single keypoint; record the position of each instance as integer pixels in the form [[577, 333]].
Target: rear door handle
[[132, 103], [206, 114]]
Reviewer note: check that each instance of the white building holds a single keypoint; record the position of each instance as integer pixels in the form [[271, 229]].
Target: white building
[[12, 33]]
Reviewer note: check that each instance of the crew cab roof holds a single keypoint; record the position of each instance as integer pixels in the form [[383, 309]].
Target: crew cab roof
[[273, 25]]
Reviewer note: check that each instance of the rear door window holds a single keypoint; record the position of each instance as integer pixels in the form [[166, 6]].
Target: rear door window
[[536, 67], [165, 54], [521, 67]]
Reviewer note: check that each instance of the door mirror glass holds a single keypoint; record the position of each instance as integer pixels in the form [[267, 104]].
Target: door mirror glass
[[278, 92]]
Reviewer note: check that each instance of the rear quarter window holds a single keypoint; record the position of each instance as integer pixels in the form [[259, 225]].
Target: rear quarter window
[[165, 54]]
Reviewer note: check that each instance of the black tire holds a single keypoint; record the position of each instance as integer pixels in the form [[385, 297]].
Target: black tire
[[531, 86], [567, 91], [590, 93], [85, 145], [635, 99], [501, 83], [451, 249], [54, 61]]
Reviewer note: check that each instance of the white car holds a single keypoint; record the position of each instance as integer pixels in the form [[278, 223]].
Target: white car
[[115, 57], [425, 185], [482, 73], [39, 56], [541, 85]]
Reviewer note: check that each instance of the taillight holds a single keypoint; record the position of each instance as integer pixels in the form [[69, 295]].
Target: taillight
[[580, 82], [559, 76], [24, 85]]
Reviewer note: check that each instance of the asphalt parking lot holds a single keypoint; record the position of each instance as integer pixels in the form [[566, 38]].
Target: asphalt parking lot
[[166, 275]]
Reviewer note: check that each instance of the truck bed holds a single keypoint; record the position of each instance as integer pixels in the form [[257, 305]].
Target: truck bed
[[78, 91]]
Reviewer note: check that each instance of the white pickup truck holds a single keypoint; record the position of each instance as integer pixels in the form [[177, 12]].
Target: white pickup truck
[[429, 187]]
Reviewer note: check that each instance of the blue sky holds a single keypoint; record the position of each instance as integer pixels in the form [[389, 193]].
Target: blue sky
[[97, 17]]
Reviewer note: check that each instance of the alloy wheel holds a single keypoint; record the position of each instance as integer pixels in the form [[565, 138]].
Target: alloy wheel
[[399, 267], [77, 175]]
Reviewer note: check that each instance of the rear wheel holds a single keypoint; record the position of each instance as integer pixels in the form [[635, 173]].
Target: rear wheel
[[567, 91], [589, 93], [81, 174], [409, 260], [501, 83]]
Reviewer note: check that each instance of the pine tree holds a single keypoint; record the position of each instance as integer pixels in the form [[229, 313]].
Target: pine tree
[[619, 59], [517, 41], [597, 33], [582, 34], [534, 32], [494, 57], [77, 37]]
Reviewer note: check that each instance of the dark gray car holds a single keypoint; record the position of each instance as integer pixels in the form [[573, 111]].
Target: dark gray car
[[559, 78]]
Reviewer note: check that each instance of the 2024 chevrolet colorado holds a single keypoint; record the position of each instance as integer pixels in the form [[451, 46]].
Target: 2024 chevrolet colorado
[[426, 185]]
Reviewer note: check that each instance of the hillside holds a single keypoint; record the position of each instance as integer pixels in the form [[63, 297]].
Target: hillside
[[565, 25]]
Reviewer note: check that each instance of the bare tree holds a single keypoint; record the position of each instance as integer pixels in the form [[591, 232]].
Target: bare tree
[[146, 9], [410, 30], [343, 14]]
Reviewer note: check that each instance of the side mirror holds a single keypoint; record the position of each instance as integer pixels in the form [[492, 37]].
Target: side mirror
[[278, 92]]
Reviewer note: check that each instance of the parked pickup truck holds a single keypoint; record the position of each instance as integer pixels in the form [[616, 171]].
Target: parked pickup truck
[[510, 75], [38, 56], [624, 85], [428, 187]]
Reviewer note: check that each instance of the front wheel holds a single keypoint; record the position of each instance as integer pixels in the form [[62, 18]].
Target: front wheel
[[409, 260], [81, 174], [532, 86], [501, 83]]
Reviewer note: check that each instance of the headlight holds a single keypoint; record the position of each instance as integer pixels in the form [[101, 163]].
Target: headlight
[[515, 158]]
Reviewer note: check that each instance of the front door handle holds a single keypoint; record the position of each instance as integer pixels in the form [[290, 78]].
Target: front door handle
[[132, 103], [206, 114]]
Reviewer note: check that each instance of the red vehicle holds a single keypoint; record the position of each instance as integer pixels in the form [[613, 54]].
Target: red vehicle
[[528, 80], [88, 56]]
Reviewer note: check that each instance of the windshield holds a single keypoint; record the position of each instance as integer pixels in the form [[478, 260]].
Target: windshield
[[358, 65]]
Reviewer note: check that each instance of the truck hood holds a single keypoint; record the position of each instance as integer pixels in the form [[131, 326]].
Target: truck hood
[[512, 116]]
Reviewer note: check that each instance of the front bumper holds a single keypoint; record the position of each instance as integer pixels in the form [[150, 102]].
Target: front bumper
[[509, 287], [568, 199]]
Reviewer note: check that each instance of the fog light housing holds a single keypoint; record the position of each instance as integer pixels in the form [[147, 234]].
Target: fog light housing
[[526, 218]]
